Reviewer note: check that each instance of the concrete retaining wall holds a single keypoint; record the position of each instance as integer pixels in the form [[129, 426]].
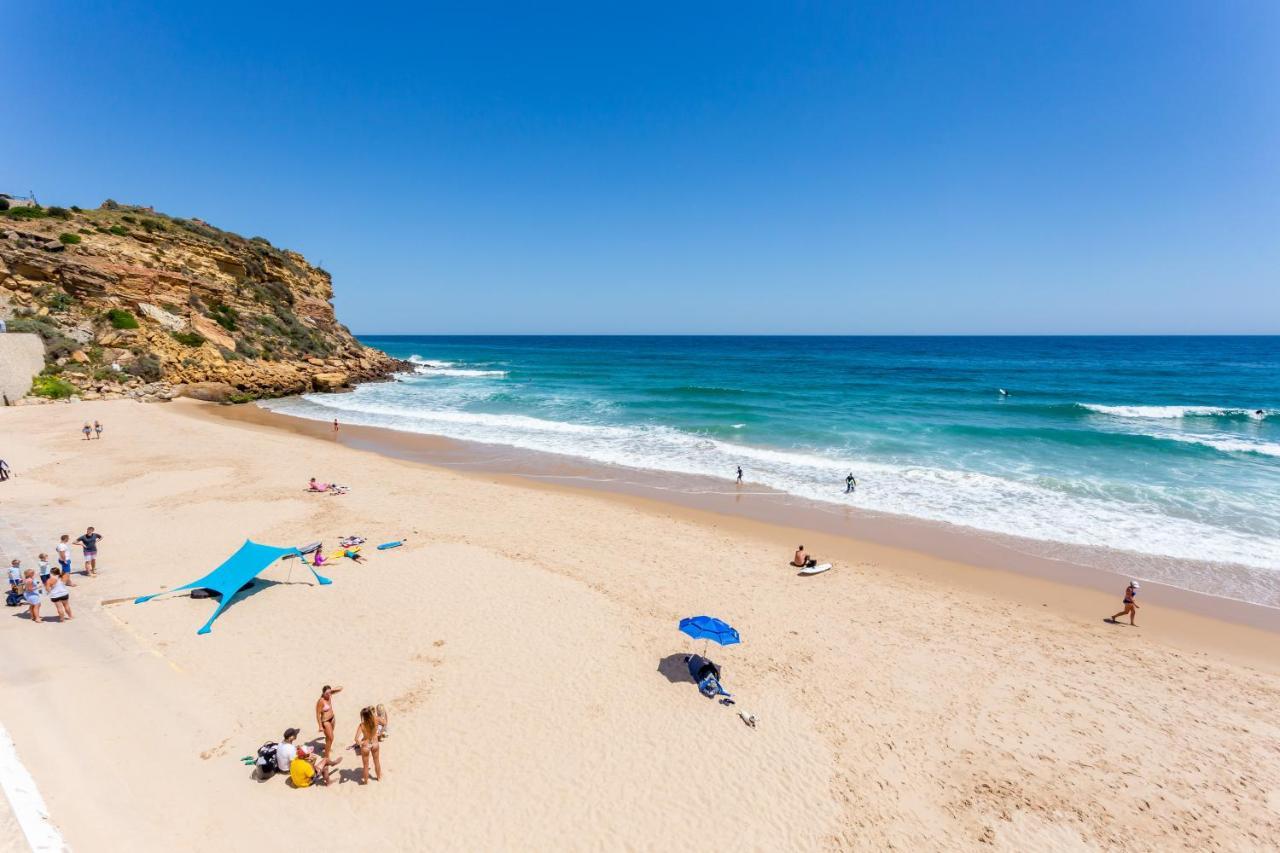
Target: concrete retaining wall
[[21, 358]]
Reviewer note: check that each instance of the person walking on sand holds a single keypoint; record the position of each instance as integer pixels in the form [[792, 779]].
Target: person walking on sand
[[89, 542], [325, 716], [367, 743], [59, 594], [739, 475], [44, 568], [86, 429], [31, 590], [64, 557], [97, 429], [4, 470], [335, 426], [1130, 606], [850, 483]]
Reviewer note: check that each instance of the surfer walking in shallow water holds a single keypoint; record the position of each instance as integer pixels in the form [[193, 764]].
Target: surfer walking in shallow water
[[850, 483]]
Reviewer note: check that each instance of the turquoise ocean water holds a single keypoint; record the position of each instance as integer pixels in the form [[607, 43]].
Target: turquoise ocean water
[[1152, 447]]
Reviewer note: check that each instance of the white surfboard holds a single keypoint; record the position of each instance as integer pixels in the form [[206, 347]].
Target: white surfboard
[[816, 570]]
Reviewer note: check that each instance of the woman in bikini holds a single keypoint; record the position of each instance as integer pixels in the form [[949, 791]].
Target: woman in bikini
[[367, 743], [324, 716]]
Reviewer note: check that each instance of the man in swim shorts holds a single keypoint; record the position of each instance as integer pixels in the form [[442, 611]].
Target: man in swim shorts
[[64, 557], [89, 541]]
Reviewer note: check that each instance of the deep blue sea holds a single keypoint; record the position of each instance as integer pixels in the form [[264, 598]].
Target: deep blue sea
[[1145, 444]]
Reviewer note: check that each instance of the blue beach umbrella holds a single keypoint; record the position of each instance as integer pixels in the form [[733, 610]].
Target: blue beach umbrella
[[710, 628]]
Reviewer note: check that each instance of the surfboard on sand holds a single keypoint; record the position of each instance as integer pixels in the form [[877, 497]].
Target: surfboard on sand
[[816, 570]]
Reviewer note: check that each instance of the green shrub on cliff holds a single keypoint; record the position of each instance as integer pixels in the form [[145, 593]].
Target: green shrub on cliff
[[59, 212], [146, 367], [26, 213], [225, 316], [52, 387], [69, 239], [121, 319], [188, 339], [56, 344]]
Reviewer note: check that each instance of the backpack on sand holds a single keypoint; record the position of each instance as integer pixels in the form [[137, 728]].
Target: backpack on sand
[[266, 762]]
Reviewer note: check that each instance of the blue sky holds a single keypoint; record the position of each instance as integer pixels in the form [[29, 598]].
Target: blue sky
[[1019, 167]]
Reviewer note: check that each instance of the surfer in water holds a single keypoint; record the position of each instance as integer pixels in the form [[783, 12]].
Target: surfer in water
[[1003, 393], [850, 483], [739, 475]]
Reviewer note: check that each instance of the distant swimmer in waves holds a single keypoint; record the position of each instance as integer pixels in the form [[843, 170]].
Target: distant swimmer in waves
[[1003, 393], [1130, 606]]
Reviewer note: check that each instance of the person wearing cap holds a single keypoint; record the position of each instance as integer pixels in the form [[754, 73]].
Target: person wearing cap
[[301, 762], [1130, 606]]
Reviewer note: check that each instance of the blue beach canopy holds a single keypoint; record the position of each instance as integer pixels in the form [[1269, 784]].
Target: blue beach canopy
[[710, 628], [238, 569]]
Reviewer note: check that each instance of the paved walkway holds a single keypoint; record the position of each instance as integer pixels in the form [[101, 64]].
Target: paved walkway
[[21, 538]]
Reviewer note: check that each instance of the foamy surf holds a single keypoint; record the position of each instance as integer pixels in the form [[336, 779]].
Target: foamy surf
[[968, 498], [1176, 412]]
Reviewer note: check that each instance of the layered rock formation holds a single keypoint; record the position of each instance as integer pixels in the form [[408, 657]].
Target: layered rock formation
[[128, 299]]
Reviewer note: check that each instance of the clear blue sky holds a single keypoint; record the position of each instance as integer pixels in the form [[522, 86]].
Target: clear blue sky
[[690, 167]]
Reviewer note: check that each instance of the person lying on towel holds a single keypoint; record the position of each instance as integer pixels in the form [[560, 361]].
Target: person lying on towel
[[706, 675]]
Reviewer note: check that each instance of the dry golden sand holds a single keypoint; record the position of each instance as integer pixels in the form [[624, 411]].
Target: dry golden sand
[[523, 641]]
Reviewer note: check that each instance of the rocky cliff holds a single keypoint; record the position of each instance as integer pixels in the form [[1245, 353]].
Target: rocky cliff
[[132, 302]]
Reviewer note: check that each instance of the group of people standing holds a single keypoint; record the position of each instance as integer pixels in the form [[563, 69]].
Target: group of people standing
[[94, 431], [29, 586], [304, 764]]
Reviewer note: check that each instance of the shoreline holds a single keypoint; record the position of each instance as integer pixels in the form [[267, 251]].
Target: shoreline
[[953, 557], [524, 640]]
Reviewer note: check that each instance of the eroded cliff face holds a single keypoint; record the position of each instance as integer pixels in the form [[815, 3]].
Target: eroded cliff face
[[129, 300]]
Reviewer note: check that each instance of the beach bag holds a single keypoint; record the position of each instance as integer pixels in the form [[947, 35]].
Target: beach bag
[[266, 762]]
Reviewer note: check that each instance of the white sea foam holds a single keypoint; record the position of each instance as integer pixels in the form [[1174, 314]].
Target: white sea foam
[[1028, 508], [433, 367], [1225, 443], [1173, 412]]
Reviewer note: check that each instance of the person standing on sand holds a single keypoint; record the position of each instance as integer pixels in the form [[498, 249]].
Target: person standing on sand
[[97, 429], [739, 475], [335, 426], [367, 743], [59, 595], [325, 717], [31, 590], [86, 429], [64, 557], [1130, 606], [89, 542]]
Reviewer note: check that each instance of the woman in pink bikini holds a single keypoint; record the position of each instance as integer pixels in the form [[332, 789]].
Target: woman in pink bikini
[[324, 716]]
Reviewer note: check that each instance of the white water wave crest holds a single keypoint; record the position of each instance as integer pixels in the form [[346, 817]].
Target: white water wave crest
[[1175, 412], [1225, 443], [983, 501], [434, 367]]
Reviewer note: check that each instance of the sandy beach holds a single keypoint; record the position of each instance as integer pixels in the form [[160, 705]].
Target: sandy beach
[[524, 641]]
